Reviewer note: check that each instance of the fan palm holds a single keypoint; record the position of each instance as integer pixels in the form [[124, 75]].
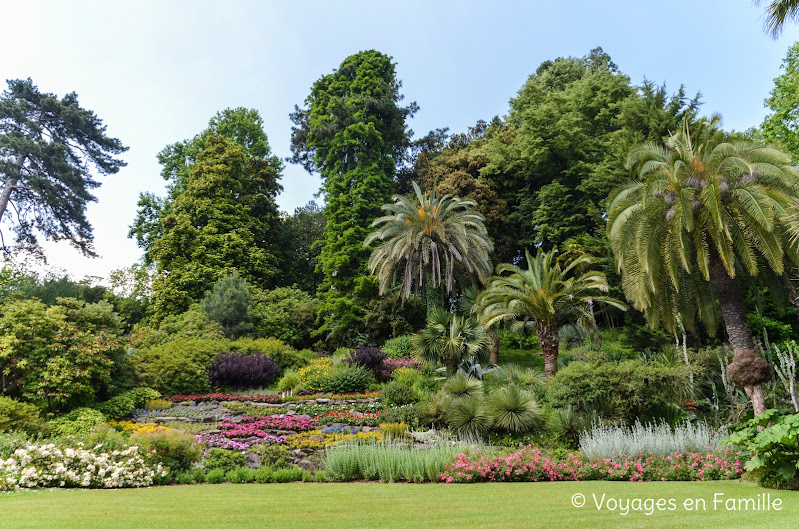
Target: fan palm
[[778, 13], [548, 294], [430, 239], [450, 339], [704, 209]]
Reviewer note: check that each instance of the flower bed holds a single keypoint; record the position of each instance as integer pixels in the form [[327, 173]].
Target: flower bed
[[257, 426], [346, 396], [137, 427], [351, 417], [316, 439], [269, 399], [218, 440], [530, 464], [50, 465]]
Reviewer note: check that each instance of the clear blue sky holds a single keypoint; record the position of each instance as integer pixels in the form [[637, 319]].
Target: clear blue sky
[[155, 71]]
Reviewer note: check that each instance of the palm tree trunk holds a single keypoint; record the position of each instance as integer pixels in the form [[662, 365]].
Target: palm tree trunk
[[550, 343], [747, 368], [493, 335]]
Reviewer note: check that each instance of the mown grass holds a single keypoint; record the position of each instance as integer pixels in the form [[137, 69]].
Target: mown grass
[[363, 505]]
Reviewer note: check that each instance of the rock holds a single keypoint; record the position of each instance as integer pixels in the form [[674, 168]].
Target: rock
[[291, 412], [189, 403], [367, 429], [322, 401], [302, 416], [208, 420], [310, 402], [297, 452], [317, 438], [253, 460], [339, 403], [305, 464], [164, 419]]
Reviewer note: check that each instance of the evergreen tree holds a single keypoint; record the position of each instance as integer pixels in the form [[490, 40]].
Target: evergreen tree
[[352, 131], [46, 146]]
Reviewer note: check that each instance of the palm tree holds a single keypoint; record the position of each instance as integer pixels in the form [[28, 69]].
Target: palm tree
[[777, 13], [547, 295], [450, 339], [430, 240], [704, 209]]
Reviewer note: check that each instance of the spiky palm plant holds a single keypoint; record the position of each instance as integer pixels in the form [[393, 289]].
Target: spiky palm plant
[[449, 339], [778, 12], [469, 416], [433, 240], [514, 409], [547, 294], [704, 210]]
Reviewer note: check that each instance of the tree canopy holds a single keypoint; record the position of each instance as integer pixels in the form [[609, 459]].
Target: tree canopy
[[46, 146], [352, 130]]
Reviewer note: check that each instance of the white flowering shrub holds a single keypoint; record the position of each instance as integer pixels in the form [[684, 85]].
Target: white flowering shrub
[[49, 465]]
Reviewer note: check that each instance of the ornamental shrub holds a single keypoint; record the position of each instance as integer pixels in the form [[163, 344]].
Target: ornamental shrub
[[79, 422], [51, 465], [224, 459], [285, 356], [399, 347], [311, 377], [396, 393], [290, 381], [347, 379], [173, 449], [240, 371], [124, 404], [179, 366], [367, 356], [627, 389], [15, 415]]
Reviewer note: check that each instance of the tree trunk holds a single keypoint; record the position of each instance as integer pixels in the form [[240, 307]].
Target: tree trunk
[[493, 335], [10, 185], [747, 368], [550, 342]]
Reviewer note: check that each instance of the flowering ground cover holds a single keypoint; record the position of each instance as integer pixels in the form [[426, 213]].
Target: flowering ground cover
[[329, 505], [256, 426], [531, 464]]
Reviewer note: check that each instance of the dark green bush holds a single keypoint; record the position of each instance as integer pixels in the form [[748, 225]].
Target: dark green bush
[[626, 389], [347, 379], [398, 394], [15, 415], [410, 415], [178, 367], [224, 459]]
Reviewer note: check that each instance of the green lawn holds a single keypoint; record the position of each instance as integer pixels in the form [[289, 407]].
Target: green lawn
[[353, 505]]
